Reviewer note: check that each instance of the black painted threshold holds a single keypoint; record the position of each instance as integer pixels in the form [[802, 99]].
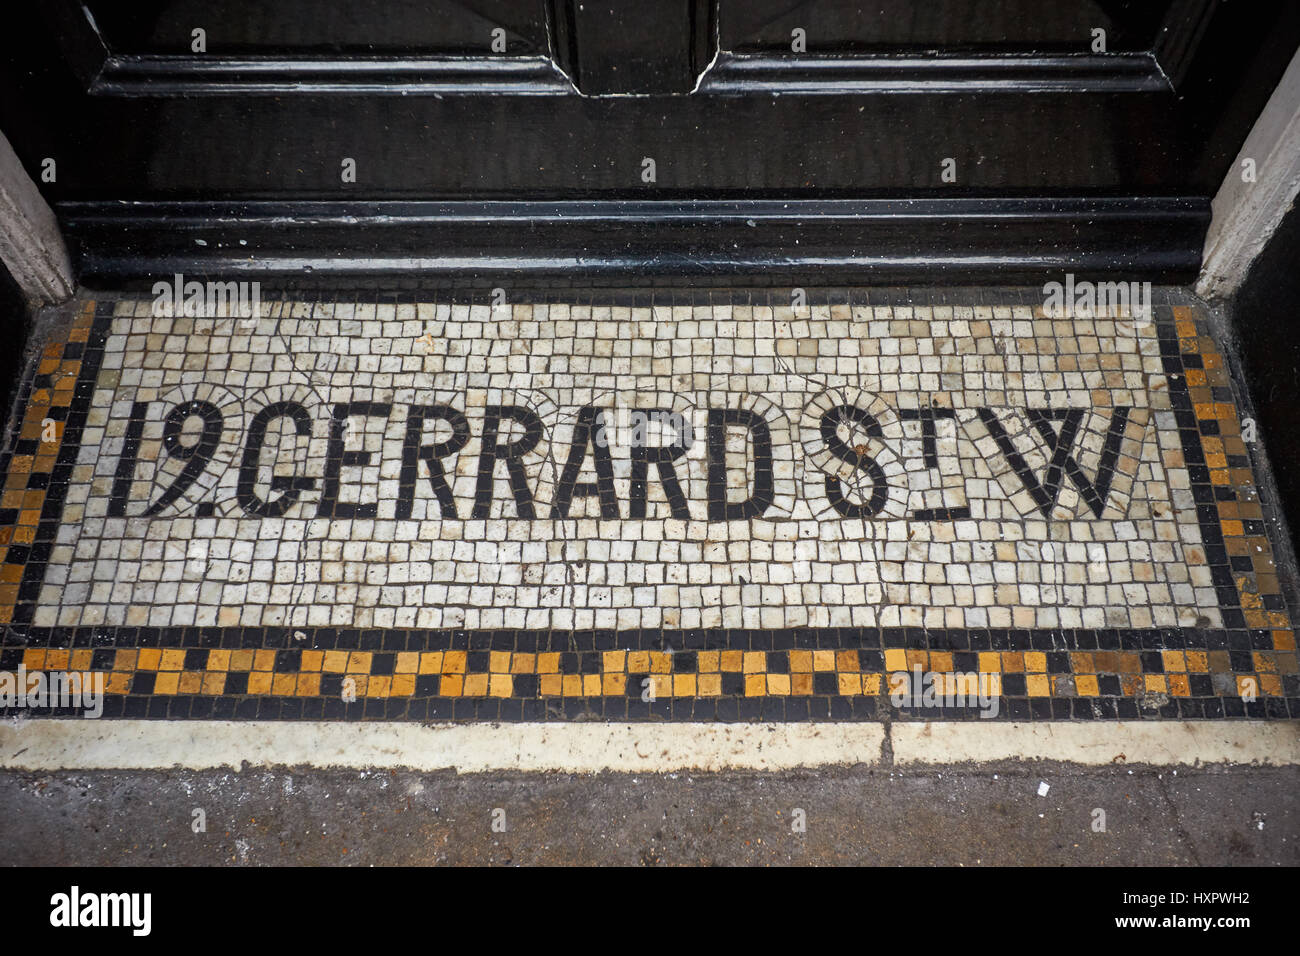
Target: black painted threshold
[[963, 241]]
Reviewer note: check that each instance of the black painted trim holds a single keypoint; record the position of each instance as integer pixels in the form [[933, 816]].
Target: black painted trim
[[78, 38], [735, 73], [1180, 36], [881, 241], [140, 75]]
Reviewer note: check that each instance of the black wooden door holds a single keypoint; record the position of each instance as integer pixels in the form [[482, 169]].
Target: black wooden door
[[953, 140]]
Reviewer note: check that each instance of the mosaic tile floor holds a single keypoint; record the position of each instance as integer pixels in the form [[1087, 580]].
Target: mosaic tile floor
[[688, 506]]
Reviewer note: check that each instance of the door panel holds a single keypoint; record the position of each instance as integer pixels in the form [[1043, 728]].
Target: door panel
[[319, 27], [764, 160], [940, 26]]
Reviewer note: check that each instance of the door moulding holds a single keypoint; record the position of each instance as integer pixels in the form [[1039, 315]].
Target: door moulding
[[946, 241]]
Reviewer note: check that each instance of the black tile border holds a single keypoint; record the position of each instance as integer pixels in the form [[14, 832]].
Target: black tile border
[[674, 640], [580, 653]]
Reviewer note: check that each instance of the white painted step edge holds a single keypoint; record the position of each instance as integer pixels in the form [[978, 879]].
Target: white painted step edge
[[44, 745]]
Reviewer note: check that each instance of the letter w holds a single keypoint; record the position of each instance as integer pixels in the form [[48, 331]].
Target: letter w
[[1061, 462]]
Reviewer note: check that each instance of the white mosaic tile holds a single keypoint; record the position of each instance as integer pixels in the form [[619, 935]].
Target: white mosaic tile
[[381, 466]]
